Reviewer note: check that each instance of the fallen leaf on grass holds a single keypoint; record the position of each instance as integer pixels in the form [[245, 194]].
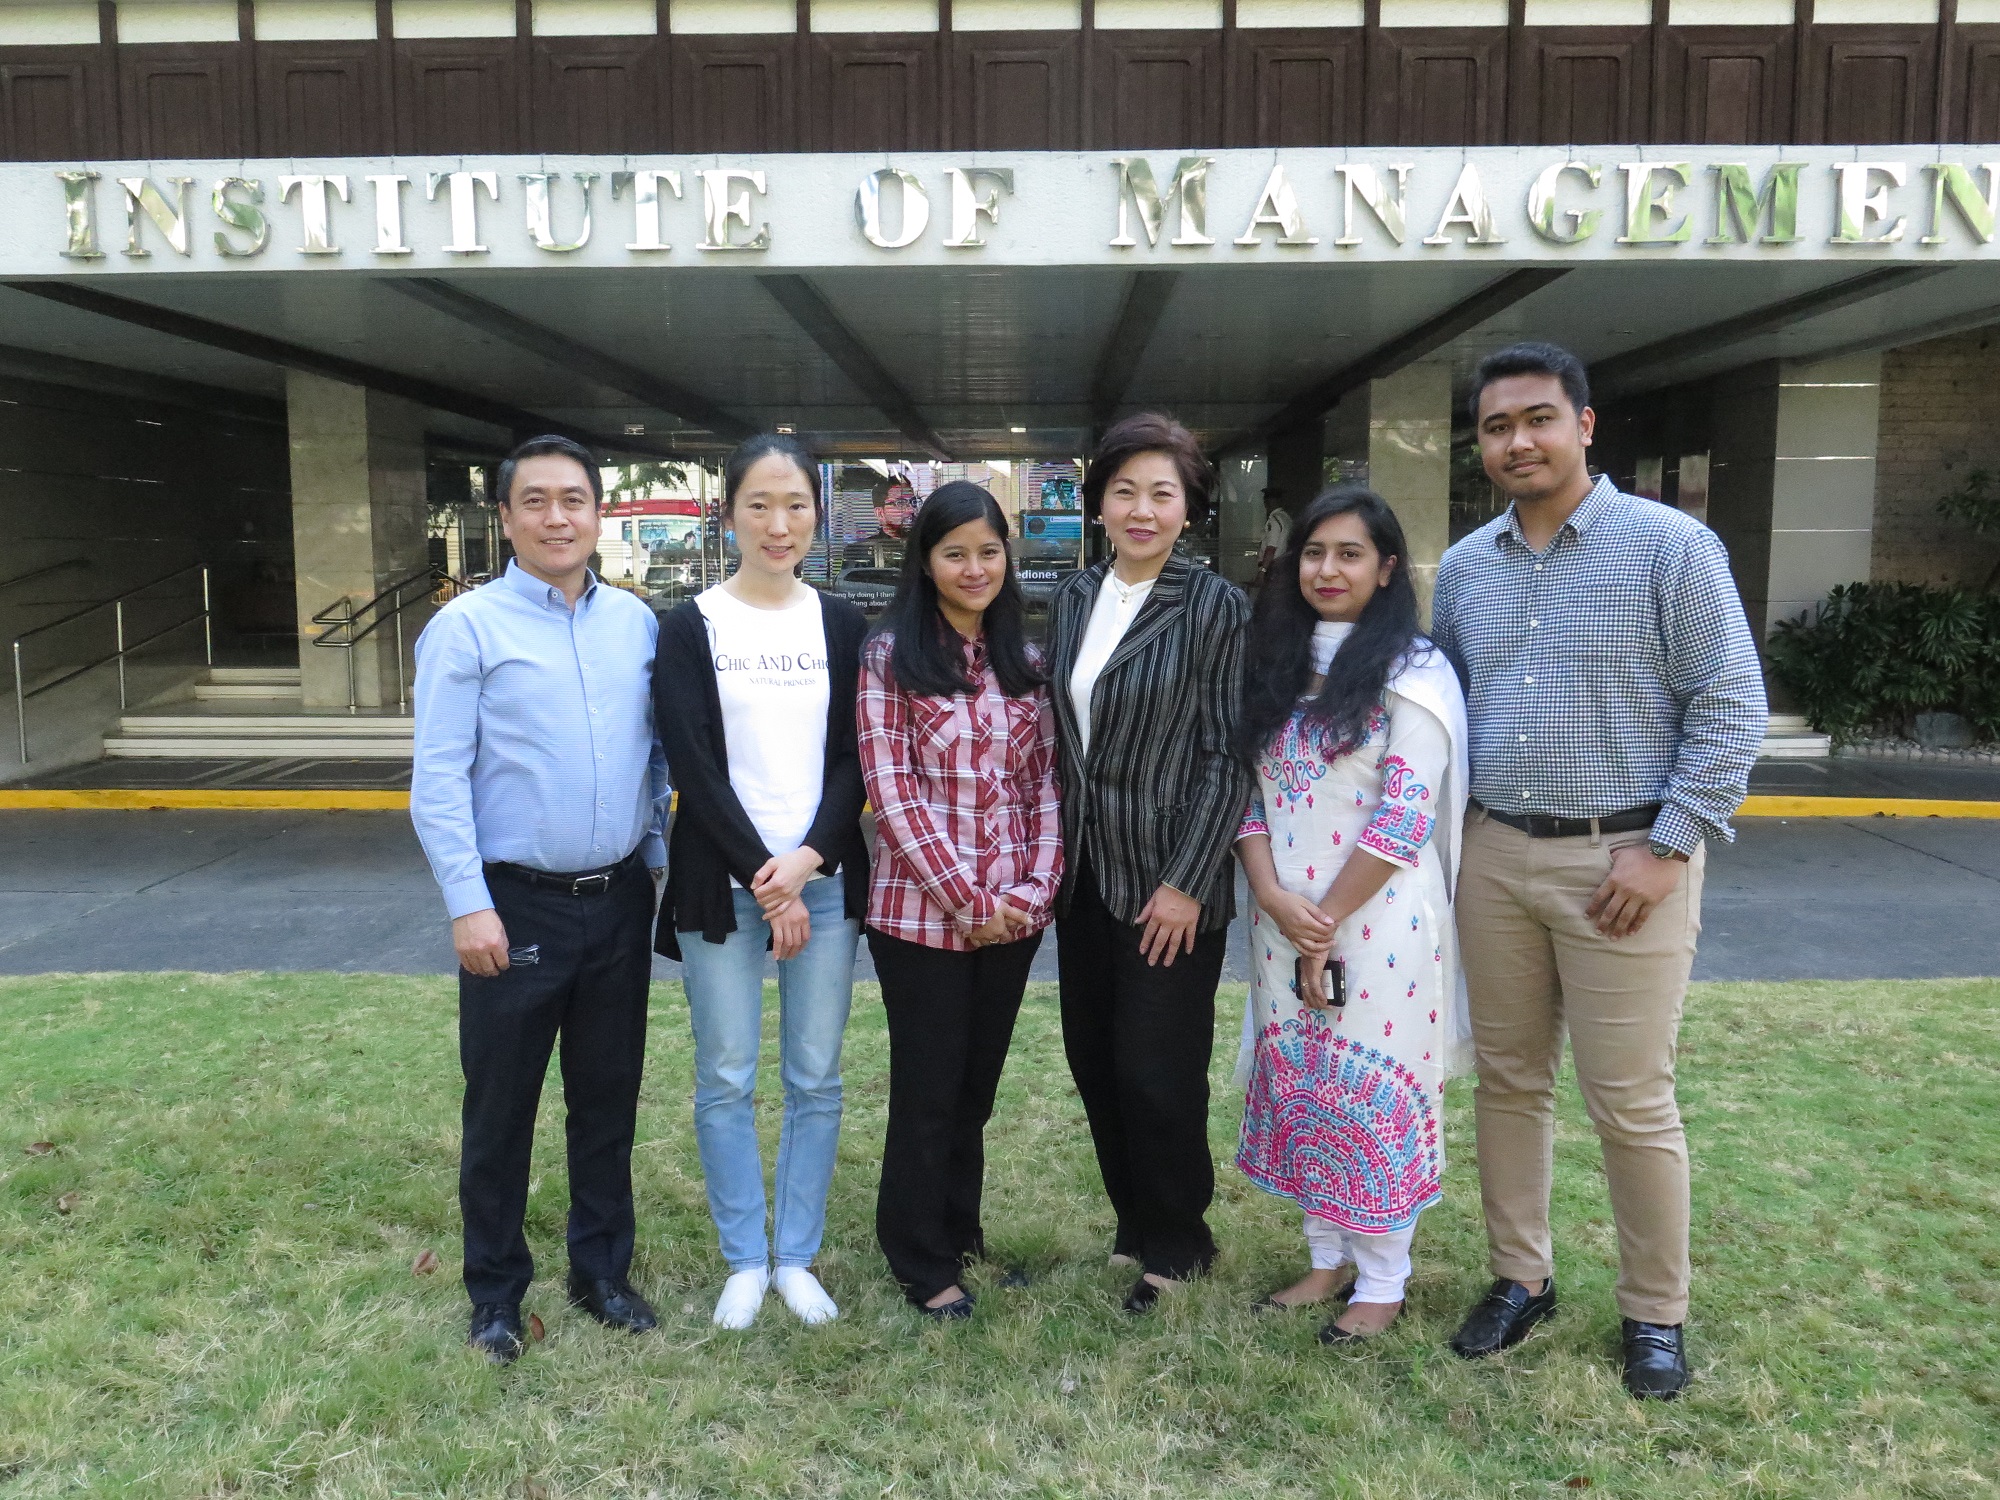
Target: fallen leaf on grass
[[536, 1330], [425, 1263], [534, 1489], [207, 1251], [67, 1202], [39, 1148], [1577, 1482]]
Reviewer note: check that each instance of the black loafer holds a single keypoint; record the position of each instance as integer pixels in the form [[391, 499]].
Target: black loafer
[[956, 1311], [1656, 1367], [613, 1303], [496, 1331], [1502, 1318]]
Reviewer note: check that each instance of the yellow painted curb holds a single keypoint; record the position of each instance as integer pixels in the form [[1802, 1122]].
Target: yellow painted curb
[[191, 797], [1864, 807]]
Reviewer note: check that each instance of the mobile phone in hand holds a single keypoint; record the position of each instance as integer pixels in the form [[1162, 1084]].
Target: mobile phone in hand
[[1332, 980]]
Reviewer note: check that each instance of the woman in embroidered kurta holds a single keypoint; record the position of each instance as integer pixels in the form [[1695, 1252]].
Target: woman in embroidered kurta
[[1355, 724]]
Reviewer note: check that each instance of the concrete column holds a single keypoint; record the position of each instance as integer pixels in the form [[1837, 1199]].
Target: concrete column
[[1823, 490], [1792, 479], [1409, 462], [357, 526]]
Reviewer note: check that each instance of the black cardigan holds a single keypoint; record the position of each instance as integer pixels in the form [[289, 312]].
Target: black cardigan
[[713, 838]]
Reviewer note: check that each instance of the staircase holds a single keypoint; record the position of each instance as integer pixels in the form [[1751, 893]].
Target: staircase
[[1790, 737], [254, 713]]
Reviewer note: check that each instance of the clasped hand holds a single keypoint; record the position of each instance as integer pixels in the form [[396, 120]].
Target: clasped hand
[[1007, 923], [1308, 927], [776, 887]]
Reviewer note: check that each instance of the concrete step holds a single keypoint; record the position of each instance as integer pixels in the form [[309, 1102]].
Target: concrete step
[[303, 747], [1790, 737], [270, 676], [271, 726], [273, 692]]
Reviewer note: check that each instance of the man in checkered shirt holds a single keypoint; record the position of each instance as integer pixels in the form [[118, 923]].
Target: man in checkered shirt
[[1616, 706]]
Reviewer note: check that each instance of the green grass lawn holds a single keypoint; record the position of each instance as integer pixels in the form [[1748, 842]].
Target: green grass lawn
[[206, 1288]]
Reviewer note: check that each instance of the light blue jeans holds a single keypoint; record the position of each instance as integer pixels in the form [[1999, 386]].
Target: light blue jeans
[[725, 993]]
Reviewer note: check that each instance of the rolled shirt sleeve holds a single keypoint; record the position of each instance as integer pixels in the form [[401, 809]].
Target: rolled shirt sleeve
[[1713, 673]]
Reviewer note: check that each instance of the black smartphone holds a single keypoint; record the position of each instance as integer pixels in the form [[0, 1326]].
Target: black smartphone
[[1332, 980]]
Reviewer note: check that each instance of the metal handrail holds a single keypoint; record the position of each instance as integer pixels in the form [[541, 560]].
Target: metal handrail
[[44, 571], [122, 648], [342, 617]]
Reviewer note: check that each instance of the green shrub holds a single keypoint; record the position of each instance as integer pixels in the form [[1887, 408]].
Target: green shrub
[[1878, 654]]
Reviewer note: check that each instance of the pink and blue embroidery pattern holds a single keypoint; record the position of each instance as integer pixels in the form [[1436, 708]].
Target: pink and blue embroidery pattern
[[1400, 826], [1345, 1131]]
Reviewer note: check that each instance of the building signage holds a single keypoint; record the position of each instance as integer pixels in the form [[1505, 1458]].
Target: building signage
[[1500, 205]]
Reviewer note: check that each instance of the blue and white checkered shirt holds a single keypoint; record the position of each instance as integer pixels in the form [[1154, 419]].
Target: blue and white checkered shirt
[[1613, 670]]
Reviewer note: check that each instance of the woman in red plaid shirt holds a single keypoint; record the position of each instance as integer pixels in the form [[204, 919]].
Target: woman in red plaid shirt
[[958, 750]]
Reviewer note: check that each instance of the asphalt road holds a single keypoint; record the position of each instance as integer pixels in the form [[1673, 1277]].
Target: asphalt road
[[1883, 898]]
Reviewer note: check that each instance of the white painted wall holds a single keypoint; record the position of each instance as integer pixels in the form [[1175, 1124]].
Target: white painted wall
[[596, 18], [315, 20]]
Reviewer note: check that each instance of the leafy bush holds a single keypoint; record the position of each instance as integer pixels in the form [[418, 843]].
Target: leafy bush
[[1878, 654]]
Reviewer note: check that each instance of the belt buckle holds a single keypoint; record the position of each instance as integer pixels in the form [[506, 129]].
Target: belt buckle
[[583, 884]]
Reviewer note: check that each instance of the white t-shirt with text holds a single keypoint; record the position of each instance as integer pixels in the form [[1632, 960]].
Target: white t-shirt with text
[[771, 675]]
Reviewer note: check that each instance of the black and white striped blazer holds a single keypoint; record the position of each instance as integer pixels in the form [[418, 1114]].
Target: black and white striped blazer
[[1158, 799]]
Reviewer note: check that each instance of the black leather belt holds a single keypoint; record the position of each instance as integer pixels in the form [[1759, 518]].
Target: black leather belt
[[1535, 826], [579, 883]]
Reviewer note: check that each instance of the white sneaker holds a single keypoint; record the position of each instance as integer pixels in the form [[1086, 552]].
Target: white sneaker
[[741, 1296], [804, 1295]]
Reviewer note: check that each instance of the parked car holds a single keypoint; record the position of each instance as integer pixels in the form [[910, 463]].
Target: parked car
[[870, 588]]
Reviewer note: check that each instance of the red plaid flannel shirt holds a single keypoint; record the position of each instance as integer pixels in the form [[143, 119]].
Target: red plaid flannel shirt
[[964, 792]]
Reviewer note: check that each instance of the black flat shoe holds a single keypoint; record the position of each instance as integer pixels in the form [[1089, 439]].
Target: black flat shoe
[[496, 1331], [613, 1303], [1142, 1296], [1502, 1318], [1656, 1366], [951, 1312]]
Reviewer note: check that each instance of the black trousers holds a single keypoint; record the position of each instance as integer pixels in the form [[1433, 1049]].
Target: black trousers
[[951, 1017], [1138, 1040], [588, 988]]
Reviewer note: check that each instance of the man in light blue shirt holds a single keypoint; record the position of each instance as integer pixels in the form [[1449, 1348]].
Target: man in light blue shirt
[[539, 792]]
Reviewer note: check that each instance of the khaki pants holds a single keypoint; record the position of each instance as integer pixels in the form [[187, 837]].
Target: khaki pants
[[1535, 966]]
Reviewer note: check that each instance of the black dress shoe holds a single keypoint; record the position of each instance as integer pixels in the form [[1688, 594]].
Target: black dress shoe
[[496, 1331], [1142, 1296], [613, 1303], [956, 1311], [1503, 1317], [1656, 1366]]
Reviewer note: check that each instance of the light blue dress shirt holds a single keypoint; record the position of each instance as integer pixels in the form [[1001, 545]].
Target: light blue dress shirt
[[534, 734]]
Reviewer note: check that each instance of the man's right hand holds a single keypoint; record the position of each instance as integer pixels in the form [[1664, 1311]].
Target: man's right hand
[[481, 942]]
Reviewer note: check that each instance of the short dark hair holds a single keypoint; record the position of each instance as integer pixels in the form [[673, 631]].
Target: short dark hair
[[1532, 359], [545, 446], [760, 446], [1149, 432]]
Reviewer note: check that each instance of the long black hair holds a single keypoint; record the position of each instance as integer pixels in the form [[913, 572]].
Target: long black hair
[[1281, 631], [927, 657]]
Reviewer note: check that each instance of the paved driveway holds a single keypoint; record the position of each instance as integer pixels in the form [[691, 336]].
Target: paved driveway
[[1809, 898]]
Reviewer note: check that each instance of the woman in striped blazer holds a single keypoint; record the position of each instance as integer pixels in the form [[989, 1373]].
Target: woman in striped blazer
[[1146, 659]]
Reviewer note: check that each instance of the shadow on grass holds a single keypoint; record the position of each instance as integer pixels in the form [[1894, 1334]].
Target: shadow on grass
[[227, 1305]]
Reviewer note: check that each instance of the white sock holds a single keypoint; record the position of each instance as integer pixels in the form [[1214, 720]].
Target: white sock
[[804, 1295], [741, 1296]]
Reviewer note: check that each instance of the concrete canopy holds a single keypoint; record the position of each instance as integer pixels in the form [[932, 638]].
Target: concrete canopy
[[1016, 347]]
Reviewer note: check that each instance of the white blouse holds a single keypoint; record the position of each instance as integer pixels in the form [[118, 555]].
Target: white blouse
[[1118, 604]]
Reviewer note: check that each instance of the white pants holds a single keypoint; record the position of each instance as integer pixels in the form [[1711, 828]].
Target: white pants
[[1381, 1261]]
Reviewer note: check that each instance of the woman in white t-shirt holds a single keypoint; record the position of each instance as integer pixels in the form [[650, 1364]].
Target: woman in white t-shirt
[[754, 688]]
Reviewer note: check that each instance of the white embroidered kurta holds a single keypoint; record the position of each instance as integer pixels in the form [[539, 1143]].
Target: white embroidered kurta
[[1344, 1110]]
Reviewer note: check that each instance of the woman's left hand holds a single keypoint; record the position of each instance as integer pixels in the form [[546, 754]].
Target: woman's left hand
[[781, 879], [1169, 920]]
